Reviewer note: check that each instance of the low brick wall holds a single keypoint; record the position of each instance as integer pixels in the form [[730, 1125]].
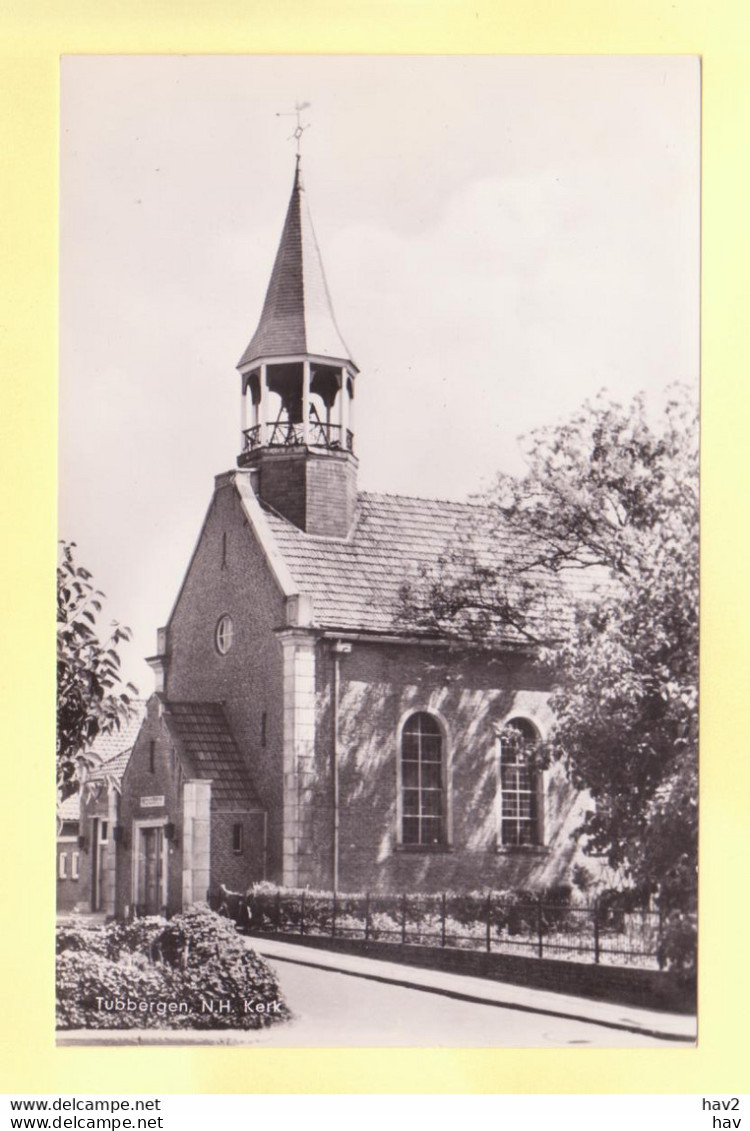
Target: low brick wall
[[649, 989]]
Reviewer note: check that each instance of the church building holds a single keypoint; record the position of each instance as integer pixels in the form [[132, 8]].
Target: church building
[[302, 731]]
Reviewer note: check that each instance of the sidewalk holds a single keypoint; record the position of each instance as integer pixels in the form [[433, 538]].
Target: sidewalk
[[669, 1026]]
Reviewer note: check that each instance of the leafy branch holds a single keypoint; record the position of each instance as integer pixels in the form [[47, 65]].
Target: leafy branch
[[91, 696]]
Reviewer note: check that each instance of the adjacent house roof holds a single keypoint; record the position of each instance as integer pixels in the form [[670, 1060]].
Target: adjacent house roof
[[297, 315], [207, 744], [113, 750], [110, 754], [356, 583], [112, 768], [70, 808]]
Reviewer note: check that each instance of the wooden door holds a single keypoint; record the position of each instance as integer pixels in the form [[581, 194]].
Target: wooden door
[[150, 899]]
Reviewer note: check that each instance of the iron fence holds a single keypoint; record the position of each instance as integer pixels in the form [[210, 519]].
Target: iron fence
[[490, 922]]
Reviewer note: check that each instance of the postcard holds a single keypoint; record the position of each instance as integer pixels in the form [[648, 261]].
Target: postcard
[[378, 576]]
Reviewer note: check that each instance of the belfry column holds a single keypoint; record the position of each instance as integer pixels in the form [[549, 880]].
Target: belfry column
[[263, 404], [243, 413], [344, 407], [306, 402]]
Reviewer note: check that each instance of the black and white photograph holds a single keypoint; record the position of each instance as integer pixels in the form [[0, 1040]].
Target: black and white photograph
[[377, 585]]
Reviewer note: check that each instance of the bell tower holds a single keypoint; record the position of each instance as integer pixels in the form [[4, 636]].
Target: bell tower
[[298, 382]]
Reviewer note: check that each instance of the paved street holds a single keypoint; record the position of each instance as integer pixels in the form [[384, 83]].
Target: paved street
[[333, 1009]]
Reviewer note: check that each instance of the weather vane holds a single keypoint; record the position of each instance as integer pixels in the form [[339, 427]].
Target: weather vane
[[299, 129]]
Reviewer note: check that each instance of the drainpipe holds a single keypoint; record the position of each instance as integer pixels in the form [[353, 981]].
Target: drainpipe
[[339, 649], [265, 843]]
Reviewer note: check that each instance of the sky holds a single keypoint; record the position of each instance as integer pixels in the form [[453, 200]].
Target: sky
[[502, 237]]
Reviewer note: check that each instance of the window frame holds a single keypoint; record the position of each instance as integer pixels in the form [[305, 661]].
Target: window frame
[[224, 634], [446, 815], [535, 791], [62, 866]]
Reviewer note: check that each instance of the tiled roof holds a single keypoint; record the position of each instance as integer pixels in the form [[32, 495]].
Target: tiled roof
[[297, 315], [70, 808], [113, 749], [113, 742], [203, 731], [109, 754], [356, 583], [112, 768]]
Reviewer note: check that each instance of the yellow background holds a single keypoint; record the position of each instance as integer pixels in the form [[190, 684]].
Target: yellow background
[[33, 34]]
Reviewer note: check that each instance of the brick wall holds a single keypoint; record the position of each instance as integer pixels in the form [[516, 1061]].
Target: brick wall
[[138, 782], [380, 686], [237, 871], [283, 482], [248, 679], [317, 491], [331, 494]]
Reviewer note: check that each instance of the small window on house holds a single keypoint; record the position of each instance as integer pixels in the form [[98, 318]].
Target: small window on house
[[152, 756], [224, 550], [62, 865], [74, 859], [422, 781], [263, 728], [103, 832], [519, 785], [224, 634], [237, 838]]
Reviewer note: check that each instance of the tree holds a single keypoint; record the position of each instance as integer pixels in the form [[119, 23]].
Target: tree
[[592, 557], [91, 697]]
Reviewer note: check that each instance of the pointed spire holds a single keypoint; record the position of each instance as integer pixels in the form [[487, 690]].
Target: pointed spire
[[297, 317]]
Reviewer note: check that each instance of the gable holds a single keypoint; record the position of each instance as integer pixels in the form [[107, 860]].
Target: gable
[[229, 575]]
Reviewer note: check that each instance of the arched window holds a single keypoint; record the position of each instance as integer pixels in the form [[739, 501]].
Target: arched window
[[422, 781], [519, 785]]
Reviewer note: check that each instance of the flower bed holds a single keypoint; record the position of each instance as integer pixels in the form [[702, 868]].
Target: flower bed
[[191, 972]]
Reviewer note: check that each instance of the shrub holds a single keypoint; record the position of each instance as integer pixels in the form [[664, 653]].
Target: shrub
[[77, 934], [678, 944], [177, 974], [86, 980], [137, 935]]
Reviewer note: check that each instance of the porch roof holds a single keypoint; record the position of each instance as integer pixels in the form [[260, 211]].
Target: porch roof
[[208, 745]]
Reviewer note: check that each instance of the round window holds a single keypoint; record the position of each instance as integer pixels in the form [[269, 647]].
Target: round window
[[224, 634]]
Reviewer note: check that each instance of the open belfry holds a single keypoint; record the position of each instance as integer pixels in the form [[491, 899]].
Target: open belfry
[[302, 730], [298, 381]]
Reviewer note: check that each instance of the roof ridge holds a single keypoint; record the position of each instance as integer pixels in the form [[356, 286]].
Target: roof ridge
[[105, 759], [421, 499]]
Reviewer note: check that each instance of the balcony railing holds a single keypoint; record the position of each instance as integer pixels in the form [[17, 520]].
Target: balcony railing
[[286, 434]]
